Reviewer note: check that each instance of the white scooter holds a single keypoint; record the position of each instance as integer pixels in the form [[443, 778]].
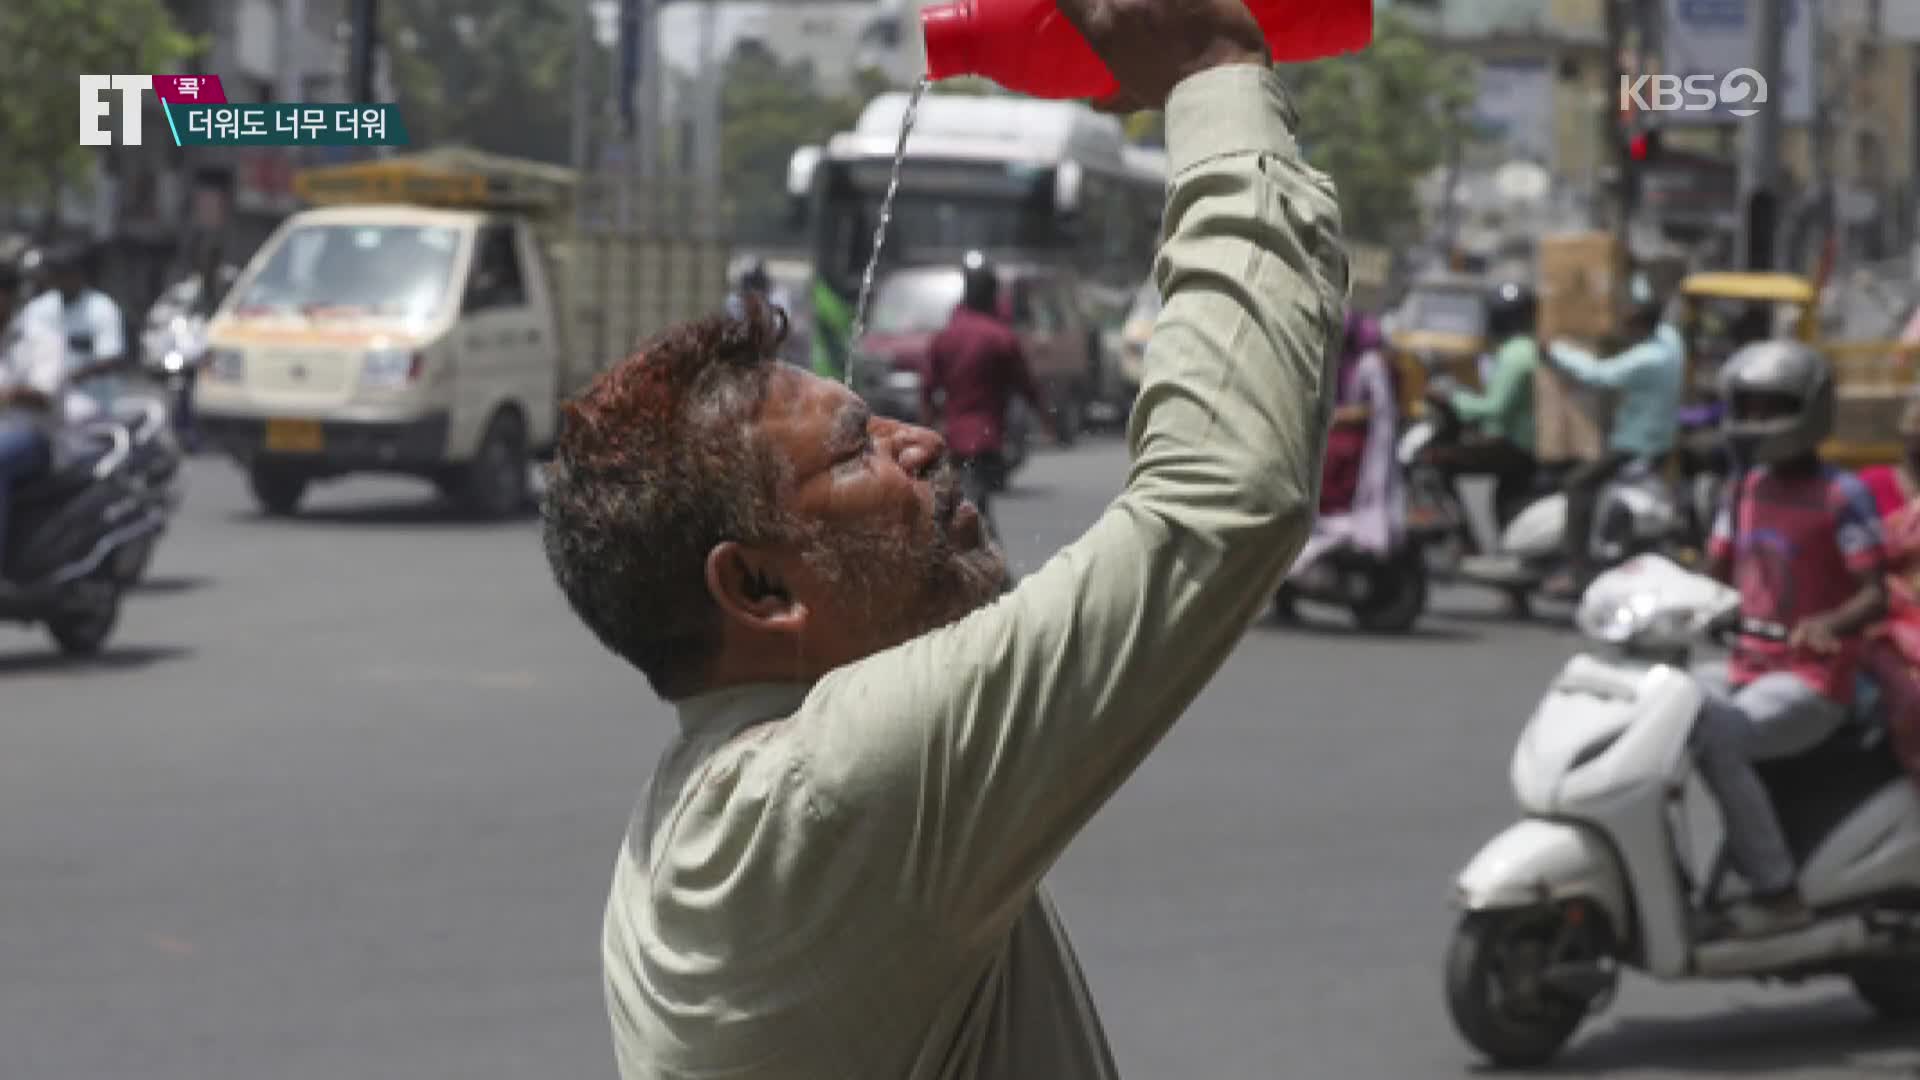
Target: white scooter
[[1618, 860], [1637, 512]]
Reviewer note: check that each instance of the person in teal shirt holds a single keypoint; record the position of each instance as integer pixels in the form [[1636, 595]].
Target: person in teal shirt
[[1647, 379], [1500, 418]]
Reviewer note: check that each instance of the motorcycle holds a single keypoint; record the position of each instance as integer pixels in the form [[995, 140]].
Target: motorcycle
[[67, 530], [1437, 515], [153, 467], [1386, 594], [1638, 512], [1619, 859], [173, 349]]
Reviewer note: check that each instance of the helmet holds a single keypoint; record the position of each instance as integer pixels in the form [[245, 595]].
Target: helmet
[[1795, 375], [982, 287], [756, 278], [1363, 333], [1511, 306]]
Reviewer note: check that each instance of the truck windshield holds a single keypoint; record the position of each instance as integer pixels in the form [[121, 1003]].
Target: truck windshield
[[916, 302], [1446, 311], [399, 271]]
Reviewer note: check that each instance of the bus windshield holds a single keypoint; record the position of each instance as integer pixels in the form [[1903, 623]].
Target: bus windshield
[[942, 210]]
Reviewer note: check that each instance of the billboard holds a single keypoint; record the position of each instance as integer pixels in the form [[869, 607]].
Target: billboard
[[1710, 38], [1515, 105]]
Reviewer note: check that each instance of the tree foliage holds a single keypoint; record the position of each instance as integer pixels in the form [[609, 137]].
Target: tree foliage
[[48, 45], [770, 109], [1379, 120], [494, 75]]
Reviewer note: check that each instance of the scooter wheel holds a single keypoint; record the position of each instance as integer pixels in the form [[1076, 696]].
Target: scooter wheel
[[1891, 990], [84, 632], [1396, 594], [1496, 992], [130, 562]]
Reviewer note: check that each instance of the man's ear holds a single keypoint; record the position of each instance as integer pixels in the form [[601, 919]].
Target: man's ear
[[748, 587]]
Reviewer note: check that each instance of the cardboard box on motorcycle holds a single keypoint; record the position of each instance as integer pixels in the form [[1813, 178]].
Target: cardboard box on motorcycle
[[1580, 291]]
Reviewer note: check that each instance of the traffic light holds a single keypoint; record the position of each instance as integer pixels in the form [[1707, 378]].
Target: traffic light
[[1644, 148]]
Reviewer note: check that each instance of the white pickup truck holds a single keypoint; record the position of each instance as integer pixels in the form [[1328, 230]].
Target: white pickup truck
[[429, 315]]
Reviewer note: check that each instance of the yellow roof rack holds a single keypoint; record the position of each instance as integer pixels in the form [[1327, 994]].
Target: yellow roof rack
[[1767, 286], [447, 178]]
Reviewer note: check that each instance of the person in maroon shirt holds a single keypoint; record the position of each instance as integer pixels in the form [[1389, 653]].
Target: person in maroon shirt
[[975, 370]]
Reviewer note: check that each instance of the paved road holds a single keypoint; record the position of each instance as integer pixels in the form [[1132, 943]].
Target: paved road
[[343, 801]]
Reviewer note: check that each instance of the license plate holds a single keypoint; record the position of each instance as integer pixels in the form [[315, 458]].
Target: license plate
[[294, 437]]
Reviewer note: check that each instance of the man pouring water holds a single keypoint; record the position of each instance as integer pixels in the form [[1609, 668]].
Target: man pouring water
[[837, 871]]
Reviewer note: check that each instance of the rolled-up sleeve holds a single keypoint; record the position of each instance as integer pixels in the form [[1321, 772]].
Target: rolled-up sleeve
[[1616, 373], [965, 760]]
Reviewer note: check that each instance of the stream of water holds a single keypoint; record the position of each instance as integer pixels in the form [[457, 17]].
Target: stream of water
[[880, 230]]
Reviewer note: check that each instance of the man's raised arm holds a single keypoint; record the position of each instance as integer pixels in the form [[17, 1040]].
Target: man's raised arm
[[969, 757]]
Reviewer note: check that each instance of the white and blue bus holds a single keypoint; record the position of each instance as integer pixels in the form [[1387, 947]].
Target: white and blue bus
[[1022, 180]]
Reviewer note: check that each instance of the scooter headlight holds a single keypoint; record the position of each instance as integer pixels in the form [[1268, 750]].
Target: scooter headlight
[[1614, 619], [1635, 619]]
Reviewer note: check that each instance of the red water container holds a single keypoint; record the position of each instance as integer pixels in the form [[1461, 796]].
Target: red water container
[[1029, 47]]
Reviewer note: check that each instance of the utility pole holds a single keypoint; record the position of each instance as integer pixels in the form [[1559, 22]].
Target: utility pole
[[1614, 138], [705, 163], [1760, 147], [653, 88], [583, 110], [366, 38]]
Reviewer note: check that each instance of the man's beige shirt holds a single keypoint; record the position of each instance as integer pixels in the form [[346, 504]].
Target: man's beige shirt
[[842, 881]]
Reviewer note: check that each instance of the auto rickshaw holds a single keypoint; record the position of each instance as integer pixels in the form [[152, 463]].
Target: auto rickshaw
[[1726, 309], [1439, 329]]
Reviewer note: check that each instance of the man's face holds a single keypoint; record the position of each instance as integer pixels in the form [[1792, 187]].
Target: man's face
[[891, 549]]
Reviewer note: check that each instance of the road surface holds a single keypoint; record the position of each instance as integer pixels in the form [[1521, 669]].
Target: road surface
[[343, 801]]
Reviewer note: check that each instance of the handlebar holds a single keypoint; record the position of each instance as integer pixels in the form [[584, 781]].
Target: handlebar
[[1723, 628]]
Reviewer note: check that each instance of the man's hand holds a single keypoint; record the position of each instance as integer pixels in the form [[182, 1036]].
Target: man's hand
[[1151, 46], [1817, 634]]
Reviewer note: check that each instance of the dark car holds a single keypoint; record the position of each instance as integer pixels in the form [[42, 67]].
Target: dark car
[[911, 306]]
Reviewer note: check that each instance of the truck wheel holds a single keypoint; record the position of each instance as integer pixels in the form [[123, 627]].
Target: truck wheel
[[278, 490], [495, 483]]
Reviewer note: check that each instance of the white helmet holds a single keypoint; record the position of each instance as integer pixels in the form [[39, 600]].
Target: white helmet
[[1786, 371]]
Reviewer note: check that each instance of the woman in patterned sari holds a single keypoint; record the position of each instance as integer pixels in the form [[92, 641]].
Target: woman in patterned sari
[[1892, 658]]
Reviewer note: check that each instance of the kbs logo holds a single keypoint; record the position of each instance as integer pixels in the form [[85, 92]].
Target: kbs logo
[[1740, 91], [171, 89]]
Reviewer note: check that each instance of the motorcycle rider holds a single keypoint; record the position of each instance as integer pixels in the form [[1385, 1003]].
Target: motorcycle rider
[[1501, 444], [757, 281], [1802, 542], [1648, 377], [975, 369], [10, 290], [92, 325], [33, 385]]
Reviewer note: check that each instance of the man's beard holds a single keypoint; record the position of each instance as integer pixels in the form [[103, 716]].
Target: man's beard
[[905, 586]]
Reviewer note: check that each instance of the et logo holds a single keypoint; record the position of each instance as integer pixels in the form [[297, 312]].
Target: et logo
[[172, 90]]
